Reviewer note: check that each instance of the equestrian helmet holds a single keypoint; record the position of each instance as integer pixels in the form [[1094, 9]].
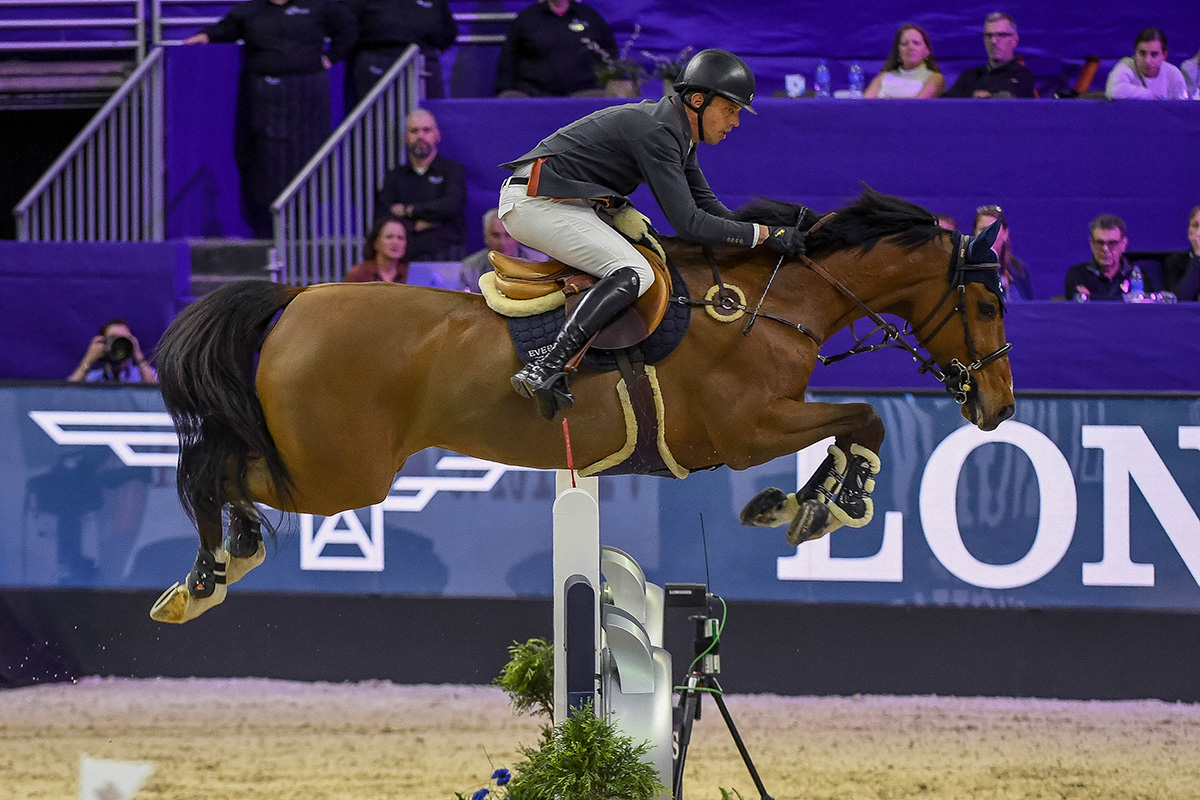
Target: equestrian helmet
[[718, 72]]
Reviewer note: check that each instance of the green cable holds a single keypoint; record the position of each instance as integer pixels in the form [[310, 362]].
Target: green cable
[[716, 637]]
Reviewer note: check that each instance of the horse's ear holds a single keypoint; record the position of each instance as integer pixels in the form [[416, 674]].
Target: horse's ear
[[980, 249]]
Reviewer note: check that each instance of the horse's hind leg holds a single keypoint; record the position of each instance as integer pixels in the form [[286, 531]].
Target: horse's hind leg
[[205, 584], [244, 541]]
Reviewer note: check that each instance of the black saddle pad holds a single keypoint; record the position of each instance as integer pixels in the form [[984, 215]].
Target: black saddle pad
[[533, 336]]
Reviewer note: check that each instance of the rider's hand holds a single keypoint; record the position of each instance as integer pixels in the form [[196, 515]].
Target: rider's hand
[[788, 241]]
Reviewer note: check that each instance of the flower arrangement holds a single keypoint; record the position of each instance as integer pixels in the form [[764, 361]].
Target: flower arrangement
[[500, 777], [668, 69], [621, 68]]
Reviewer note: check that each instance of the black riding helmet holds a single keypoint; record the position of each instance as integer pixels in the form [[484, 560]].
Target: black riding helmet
[[716, 72]]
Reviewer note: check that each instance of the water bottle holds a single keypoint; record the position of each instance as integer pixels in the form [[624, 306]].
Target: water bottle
[[822, 80], [1137, 286], [856, 80]]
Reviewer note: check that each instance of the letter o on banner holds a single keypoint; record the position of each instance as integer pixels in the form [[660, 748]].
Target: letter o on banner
[[1056, 516]]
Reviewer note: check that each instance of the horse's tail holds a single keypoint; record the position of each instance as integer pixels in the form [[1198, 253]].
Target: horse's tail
[[206, 372]]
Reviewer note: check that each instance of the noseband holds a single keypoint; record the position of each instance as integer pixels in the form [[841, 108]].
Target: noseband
[[957, 377]]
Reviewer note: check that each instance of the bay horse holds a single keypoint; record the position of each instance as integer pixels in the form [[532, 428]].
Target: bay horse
[[311, 399]]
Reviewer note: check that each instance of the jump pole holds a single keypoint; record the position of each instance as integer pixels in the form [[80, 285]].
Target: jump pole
[[607, 636]]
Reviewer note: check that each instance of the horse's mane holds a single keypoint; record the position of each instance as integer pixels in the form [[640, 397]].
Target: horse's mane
[[862, 223]]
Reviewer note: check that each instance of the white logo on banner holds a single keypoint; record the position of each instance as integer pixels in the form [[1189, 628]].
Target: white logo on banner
[[121, 431], [409, 493]]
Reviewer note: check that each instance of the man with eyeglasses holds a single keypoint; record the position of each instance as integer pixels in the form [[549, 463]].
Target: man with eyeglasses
[[1003, 75], [1107, 275]]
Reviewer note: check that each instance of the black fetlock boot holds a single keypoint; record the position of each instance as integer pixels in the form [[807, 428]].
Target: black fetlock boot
[[207, 573], [545, 380], [245, 532]]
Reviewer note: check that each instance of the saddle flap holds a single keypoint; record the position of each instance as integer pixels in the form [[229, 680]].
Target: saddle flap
[[639, 320]]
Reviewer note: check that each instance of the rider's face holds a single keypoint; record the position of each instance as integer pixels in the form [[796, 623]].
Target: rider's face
[[720, 118]]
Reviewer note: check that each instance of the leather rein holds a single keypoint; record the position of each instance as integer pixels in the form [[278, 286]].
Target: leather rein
[[956, 377]]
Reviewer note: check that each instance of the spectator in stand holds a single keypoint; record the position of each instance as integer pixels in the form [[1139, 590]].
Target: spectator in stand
[[429, 191], [1004, 75], [386, 28], [114, 355], [1013, 275], [946, 221], [495, 237], [1147, 75], [1191, 76], [1106, 276], [910, 70], [1181, 271], [544, 54], [384, 254], [283, 106]]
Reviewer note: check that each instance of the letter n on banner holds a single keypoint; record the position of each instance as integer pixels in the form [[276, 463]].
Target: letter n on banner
[[1128, 454]]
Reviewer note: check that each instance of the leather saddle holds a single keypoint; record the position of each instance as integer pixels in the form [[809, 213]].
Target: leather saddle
[[522, 279]]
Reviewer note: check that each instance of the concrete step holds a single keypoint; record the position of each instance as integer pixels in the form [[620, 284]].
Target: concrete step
[[60, 84], [216, 262]]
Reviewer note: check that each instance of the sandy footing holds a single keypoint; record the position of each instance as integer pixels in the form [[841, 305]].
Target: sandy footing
[[252, 739]]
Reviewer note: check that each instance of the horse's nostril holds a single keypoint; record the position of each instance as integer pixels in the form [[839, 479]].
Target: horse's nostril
[[1007, 412]]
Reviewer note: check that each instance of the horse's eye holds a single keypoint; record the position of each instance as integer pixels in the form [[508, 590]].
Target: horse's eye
[[987, 310]]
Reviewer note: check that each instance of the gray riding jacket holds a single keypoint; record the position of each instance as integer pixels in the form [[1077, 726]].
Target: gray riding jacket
[[611, 152]]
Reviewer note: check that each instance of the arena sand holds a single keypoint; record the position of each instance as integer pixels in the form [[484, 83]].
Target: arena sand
[[256, 739]]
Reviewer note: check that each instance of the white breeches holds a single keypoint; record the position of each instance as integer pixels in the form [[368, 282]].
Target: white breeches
[[572, 232]]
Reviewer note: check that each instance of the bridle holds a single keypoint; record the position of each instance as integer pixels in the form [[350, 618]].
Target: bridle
[[957, 377]]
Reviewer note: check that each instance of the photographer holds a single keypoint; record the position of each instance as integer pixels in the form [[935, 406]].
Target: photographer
[[114, 355]]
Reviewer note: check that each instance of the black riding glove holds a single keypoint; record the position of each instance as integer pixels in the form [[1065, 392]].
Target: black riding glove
[[788, 241]]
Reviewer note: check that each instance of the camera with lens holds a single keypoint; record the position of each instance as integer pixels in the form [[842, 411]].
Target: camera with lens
[[117, 349]]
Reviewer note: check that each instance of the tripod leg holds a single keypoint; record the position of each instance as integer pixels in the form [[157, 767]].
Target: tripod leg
[[737, 739], [689, 705]]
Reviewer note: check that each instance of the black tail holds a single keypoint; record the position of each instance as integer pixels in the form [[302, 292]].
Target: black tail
[[206, 373]]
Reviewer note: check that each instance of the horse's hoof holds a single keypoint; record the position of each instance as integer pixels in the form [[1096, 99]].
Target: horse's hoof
[[177, 605], [809, 522], [244, 536], [769, 508]]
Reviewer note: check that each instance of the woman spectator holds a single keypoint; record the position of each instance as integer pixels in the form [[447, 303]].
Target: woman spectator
[[1013, 276], [383, 254], [1181, 271], [545, 55], [910, 70]]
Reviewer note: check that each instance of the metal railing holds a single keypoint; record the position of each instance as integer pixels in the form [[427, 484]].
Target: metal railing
[[321, 217], [109, 184], [73, 25], [173, 20]]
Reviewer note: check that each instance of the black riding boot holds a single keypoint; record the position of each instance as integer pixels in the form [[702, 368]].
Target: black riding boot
[[545, 380]]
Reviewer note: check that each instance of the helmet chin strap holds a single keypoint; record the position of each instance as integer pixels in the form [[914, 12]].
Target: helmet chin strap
[[708, 98]]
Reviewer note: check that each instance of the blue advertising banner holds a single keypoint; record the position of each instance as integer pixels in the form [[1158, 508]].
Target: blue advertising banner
[[1078, 501]]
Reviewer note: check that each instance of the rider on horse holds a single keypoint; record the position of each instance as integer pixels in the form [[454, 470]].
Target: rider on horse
[[559, 192]]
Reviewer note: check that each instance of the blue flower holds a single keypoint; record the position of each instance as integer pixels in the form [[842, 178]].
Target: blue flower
[[502, 776], [481, 794]]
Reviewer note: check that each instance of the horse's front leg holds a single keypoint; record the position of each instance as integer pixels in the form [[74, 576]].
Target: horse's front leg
[[839, 492]]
